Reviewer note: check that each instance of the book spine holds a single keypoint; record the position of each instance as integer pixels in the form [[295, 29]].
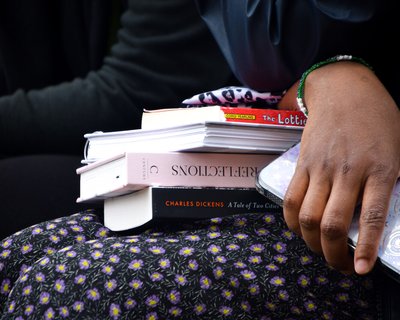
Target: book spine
[[189, 203], [140, 170], [265, 116]]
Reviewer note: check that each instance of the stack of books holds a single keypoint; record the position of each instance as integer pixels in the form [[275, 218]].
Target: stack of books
[[201, 162]]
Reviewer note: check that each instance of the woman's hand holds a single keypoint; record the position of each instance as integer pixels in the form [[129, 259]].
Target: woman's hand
[[350, 152]]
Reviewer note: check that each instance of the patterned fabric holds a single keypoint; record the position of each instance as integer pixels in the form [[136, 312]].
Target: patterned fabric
[[238, 267], [235, 96]]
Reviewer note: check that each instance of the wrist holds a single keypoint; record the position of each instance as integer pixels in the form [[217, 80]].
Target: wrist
[[322, 67]]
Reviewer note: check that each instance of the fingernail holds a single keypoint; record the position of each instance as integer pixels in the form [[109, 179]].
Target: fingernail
[[362, 266]]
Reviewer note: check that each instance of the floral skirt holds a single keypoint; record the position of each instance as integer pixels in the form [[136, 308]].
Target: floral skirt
[[239, 267]]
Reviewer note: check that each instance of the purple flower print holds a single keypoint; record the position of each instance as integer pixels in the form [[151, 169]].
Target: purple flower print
[[254, 289], [227, 294], [174, 296], [49, 314], [97, 254], [180, 279], [232, 247], [80, 279], [5, 287], [186, 251], [84, 264], [44, 298], [152, 301], [213, 235], [115, 311], [130, 304], [283, 295], [76, 228], [156, 276], [280, 247], [164, 263], [193, 265], [27, 291], [214, 249], [199, 309], [61, 268], [205, 282], [114, 258], [102, 233], [245, 306], [218, 273], [193, 237], [303, 281], [157, 250], [108, 270], [110, 285], [175, 311], [63, 312], [262, 232], [225, 311], [78, 306], [277, 281], [269, 219], [247, 274], [26, 248], [134, 249], [59, 286], [93, 294], [136, 264], [29, 309], [310, 305], [136, 284]]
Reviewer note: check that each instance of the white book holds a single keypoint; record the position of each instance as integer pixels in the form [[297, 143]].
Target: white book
[[234, 137]]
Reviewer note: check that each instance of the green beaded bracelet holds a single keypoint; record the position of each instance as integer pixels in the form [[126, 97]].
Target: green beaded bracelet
[[300, 89]]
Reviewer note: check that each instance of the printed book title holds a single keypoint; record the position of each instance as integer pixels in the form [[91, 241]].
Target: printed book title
[[250, 205], [214, 171]]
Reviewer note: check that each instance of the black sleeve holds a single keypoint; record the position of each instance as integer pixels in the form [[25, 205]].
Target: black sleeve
[[164, 54], [270, 43]]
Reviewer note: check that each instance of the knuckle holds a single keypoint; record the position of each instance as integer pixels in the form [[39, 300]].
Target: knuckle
[[333, 230], [290, 202], [384, 173], [309, 221], [374, 217], [345, 167]]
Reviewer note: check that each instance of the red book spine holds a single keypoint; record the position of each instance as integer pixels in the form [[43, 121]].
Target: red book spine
[[265, 116]]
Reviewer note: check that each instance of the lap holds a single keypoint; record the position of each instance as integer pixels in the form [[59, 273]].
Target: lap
[[242, 267]]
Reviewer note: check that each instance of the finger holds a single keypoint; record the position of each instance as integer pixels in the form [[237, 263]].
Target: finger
[[335, 224], [294, 198], [312, 210], [374, 209]]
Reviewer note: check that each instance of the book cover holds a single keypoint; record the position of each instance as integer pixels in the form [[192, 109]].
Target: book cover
[[160, 118], [274, 179], [132, 171], [224, 137], [135, 209]]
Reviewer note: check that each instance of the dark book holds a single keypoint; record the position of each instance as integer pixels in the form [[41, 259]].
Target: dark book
[[138, 208], [274, 179]]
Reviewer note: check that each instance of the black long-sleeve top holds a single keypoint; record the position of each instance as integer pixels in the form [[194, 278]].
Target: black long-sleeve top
[[270, 43], [56, 84]]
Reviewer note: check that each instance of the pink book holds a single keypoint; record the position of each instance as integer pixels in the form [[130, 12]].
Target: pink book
[[132, 171]]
